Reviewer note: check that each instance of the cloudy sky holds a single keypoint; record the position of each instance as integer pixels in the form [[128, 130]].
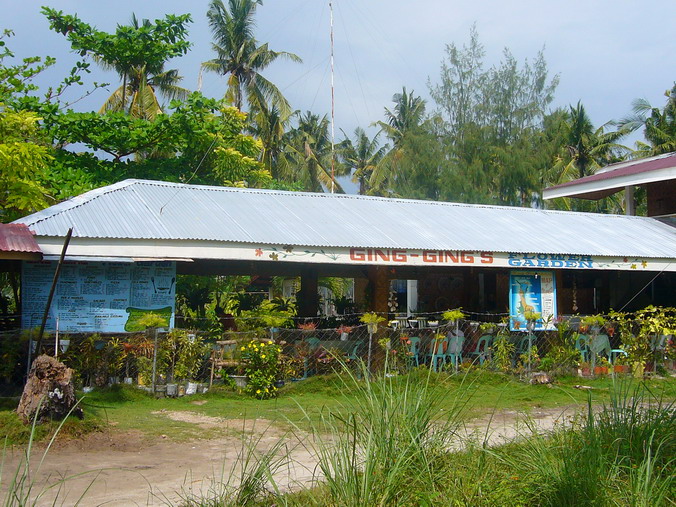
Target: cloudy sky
[[607, 53]]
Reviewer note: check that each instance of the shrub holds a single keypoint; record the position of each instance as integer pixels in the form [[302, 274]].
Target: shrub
[[262, 364]]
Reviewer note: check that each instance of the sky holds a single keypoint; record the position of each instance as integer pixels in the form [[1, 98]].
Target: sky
[[606, 53]]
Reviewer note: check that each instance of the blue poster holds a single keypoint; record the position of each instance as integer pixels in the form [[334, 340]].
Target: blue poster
[[533, 291], [104, 297]]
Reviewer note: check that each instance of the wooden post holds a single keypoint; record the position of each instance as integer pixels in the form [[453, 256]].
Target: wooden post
[[380, 282], [308, 298]]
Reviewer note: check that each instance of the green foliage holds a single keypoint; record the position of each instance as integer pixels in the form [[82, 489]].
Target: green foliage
[[593, 320], [371, 319], [184, 355], [262, 367], [453, 315], [503, 350], [532, 316], [152, 320], [23, 158]]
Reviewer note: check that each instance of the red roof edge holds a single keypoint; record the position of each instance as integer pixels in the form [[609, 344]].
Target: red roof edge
[[17, 238]]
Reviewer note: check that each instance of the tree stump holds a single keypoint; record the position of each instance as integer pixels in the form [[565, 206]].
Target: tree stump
[[49, 392]]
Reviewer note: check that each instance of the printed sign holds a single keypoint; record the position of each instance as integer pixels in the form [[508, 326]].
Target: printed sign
[[533, 291], [105, 297]]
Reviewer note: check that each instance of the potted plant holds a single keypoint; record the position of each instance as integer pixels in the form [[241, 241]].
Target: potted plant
[[602, 367], [344, 332], [531, 319], [621, 365], [584, 369], [371, 320]]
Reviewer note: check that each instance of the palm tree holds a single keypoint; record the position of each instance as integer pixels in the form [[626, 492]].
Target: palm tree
[[308, 151], [269, 126], [408, 114], [141, 82], [660, 126], [407, 117], [239, 56], [362, 156], [587, 148]]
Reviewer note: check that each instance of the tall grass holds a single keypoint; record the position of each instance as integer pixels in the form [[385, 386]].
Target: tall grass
[[620, 454], [386, 445], [23, 489]]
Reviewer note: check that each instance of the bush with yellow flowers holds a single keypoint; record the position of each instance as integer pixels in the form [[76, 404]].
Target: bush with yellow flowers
[[261, 360]]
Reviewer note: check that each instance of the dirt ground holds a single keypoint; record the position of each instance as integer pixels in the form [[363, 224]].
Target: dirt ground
[[116, 468]]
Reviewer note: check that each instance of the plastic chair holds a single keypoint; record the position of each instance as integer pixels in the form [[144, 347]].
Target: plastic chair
[[313, 342], [438, 350], [483, 347], [600, 345], [414, 349], [354, 354], [454, 350]]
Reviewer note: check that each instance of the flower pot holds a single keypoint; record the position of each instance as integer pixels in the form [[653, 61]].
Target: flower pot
[[63, 345], [584, 372], [621, 368], [344, 337], [128, 380], [172, 390], [240, 380], [600, 370], [160, 391], [191, 388], [372, 328], [279, 383]]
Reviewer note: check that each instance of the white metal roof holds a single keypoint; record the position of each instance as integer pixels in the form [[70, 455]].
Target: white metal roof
[[140, 209]]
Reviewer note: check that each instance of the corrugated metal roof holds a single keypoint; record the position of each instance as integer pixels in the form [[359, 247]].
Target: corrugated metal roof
[[17, 238], [142, 209]]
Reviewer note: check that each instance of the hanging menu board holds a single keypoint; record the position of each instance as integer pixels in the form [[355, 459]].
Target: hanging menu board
[[105, 297]]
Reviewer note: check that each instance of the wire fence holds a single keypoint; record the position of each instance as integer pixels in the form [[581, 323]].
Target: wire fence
[[404, 343]]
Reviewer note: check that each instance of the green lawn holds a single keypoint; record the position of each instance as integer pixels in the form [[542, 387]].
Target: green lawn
[[126, 408]]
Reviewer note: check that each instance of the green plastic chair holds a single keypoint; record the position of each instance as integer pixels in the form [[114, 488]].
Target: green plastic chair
[[313, 342], [414, 349], [483, 348], [354, 353]]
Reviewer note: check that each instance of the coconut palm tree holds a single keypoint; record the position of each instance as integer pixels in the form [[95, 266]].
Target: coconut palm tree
[[240, 57], [407, 116], [269, 126], [308, 152], [660, 126], [362, 156]]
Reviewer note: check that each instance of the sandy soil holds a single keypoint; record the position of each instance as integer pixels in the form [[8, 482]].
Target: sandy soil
[[118, 468]]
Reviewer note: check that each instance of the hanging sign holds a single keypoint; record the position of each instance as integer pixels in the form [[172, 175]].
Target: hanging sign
[[533, 291], [104, 297]]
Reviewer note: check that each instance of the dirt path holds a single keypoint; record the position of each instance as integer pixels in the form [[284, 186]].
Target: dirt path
[[119, 469]]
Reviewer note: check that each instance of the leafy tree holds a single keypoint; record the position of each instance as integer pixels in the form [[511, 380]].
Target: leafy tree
[[23, 157], [269, 126], [659, 125], [137, 52], [241, 58], [362, 157]]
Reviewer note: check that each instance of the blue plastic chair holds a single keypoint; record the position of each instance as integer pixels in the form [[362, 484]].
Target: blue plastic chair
[[438, 352], [483, 348], [355, 352]]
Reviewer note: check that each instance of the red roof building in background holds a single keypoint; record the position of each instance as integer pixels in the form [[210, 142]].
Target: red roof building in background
[[18, 243], [657, 174]]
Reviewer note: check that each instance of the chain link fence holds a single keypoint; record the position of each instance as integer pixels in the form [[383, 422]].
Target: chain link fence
[[401, 344]]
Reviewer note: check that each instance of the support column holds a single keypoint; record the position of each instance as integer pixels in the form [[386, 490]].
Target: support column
[[380, 282], [307, 297], [411, 296], [629, 205]]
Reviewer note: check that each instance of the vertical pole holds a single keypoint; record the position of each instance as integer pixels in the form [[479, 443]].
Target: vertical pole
[[53, 288], [629, 207], [368, 362], [154, 358], [333, 120]]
